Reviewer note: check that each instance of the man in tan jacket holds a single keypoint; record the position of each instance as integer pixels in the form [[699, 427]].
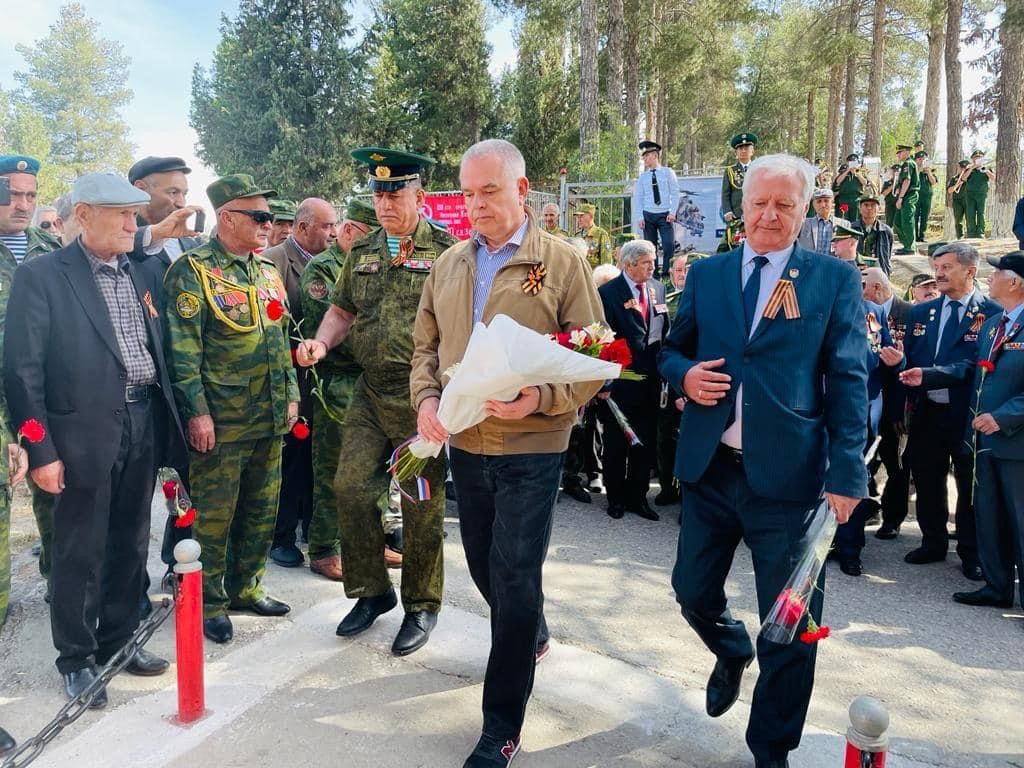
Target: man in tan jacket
[[506, 469]]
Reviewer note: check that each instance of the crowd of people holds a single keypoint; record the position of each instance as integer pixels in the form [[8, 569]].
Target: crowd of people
[[277, 364]]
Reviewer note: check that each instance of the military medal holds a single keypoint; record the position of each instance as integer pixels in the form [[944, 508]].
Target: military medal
[[632, 304], [148, 301], [783, 297], [534, 279]]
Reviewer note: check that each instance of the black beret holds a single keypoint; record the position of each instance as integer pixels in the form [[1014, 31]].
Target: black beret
[[149, 165]]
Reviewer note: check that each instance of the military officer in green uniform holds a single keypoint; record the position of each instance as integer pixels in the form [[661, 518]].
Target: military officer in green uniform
[[889, 195], [905, 190], [231, 369], [20, 242], [849, 184], [549, 215], [957, 197], [338, 373], [283, 222], [374, 307], [732, 186], [924, 198], [599, 242], [976, 193]]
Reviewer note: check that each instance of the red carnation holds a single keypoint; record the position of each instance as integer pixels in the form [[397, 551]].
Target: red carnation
[[32, 431], [275, 309], [986, 365], [843, 207], [617, 352], [563, 339], [170, 489], [792, 607], [300, 430], [185, 520]]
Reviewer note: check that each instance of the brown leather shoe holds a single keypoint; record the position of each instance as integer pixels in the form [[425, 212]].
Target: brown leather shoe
[[329, 567], [392, 559]]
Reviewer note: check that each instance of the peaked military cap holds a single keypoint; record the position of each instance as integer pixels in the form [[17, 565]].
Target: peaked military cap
[[18, 164], [921, 279], [852, 157], [919, 155], [391, 169], [148, 165], [843, 232], [107, 190], [903, 147], [963, 163], [1013, 262], [283, 210], [743, 140], [585, 208], [918, 143], [648, 146], [233, 187], [357, 210], [977, 153]]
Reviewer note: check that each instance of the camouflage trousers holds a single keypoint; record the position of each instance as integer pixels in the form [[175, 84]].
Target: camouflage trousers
[[5, 553], [374, 426], [323, 526], [235, 489]]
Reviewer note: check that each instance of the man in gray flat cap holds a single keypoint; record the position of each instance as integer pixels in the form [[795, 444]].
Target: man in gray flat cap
[[84, 356], [817, 230]]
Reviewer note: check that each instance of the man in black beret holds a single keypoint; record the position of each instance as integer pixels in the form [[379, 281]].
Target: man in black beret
[[163, 224]]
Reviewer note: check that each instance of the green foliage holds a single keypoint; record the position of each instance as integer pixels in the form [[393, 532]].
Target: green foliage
[[282, 97], [67, 109]]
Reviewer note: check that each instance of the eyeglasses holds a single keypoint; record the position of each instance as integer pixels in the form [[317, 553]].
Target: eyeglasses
[[260, 217]]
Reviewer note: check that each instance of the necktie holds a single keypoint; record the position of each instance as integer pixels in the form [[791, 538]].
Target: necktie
[[1000, 335], [654, 186], [642, 300], [752, 290], [949, 330]]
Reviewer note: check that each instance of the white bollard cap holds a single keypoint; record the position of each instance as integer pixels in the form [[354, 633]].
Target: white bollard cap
[[869, 722], [186, 555]]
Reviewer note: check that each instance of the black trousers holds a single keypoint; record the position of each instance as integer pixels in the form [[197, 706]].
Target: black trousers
[[296, 503], [1000, 517], [657, 225], [100, 543], [627, 468], [896, 494], [934, 444], [719, 511], [505, 513]]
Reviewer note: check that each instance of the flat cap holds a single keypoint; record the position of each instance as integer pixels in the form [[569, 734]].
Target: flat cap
[[283, 210], [1013, 261], [18, 164], [107, 190], [585, 208], [649, 146], [151, 164], [357, 210], [391, 169], [822, 192], [743, 140], [921, 279], [235, 186]]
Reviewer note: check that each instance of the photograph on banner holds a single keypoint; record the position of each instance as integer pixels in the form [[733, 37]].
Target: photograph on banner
[[699, 224]]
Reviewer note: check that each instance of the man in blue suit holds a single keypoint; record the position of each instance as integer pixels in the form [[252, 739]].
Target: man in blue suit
[[943, 332], [768, 346], [999, 422]]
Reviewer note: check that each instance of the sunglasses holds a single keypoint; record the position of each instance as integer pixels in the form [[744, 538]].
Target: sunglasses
[[260, 217]]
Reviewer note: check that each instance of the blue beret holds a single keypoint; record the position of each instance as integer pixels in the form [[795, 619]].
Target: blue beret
[[18, 164]]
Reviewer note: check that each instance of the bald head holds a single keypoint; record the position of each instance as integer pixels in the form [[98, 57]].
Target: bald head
[[549, 213], [316, 225], [877, 287]]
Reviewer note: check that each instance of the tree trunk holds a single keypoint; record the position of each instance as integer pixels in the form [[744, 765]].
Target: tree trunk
[[632, 68], [835, 87], [1009, 114], [850, 100], [812, 127], [653, 108], [933, 87], [873, 132], [589, 117], [613, 92], [954, 102]]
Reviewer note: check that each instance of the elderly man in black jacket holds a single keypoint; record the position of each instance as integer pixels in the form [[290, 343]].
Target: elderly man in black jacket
[[84, 356]]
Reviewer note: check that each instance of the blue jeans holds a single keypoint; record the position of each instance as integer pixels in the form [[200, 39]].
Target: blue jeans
[[655, 225], [505, 511]]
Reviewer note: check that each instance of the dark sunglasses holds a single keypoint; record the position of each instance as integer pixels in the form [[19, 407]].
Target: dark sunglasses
[[260, 217], [45, 224]]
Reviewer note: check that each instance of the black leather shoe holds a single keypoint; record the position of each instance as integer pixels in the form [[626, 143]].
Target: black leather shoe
[[146, 664], [887, 532], [7, 742], [616, 511], [77, 681], [415, 631], [218, 629], [851, 567], [265, 606], [578, 492], [643, 509], [365, 612], [984, 596], [287, 556], [972, 571], [724, 684], [783, 763], [920, 556], [665, 497]]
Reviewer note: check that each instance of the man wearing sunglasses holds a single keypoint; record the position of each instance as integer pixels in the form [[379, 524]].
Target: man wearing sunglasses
[[232, 374]]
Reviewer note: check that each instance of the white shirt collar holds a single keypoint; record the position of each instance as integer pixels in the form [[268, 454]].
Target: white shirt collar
[[775, 258]]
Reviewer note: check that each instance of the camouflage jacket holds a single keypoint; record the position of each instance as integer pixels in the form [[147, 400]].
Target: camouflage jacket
[[226, 357], [599, 245], [383, 294], [315, 287]]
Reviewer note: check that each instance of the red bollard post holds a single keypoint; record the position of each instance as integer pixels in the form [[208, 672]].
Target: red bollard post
[[188, 628], [866, 740]]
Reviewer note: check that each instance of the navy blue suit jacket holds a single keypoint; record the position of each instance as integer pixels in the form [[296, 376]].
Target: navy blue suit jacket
[[1018, 223], [629, 325], [805, 407], [877, 339]]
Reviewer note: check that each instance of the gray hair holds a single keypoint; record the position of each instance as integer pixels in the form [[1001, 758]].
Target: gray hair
[[512, 160], [604, 273], [579, 245], [676, 259], [41, 210], [783, 164], [966, 253], [63, 206], [634, 250]]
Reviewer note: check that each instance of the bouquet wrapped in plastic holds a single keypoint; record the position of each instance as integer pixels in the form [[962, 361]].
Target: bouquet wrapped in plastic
[[782, 622], [179, 505]]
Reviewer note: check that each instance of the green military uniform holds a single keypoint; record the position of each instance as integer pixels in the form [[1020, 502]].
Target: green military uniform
[[599, 242], [905, 222], [975, 196], [558, 232], [958, 201], [732, 189], [282, 210], [924, 199], [382, 290], [848, 191], [230, 361]]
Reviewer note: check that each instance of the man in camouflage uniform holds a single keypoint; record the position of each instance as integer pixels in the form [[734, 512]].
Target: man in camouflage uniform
[[374, 307], [284, 221], [550, 216], [599, 242], [20, 242], [905, 191], [235, 386]]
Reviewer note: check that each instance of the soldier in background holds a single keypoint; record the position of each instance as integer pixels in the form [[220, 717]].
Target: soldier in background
[[924, 199], [599, 242], [232, 374], [849, 184], [905, 192], [957, 197], [283, 223], [976, 194], [549, 215], [732, 184]]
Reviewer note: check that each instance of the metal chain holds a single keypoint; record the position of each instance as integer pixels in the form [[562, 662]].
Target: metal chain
[[74, 709]]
